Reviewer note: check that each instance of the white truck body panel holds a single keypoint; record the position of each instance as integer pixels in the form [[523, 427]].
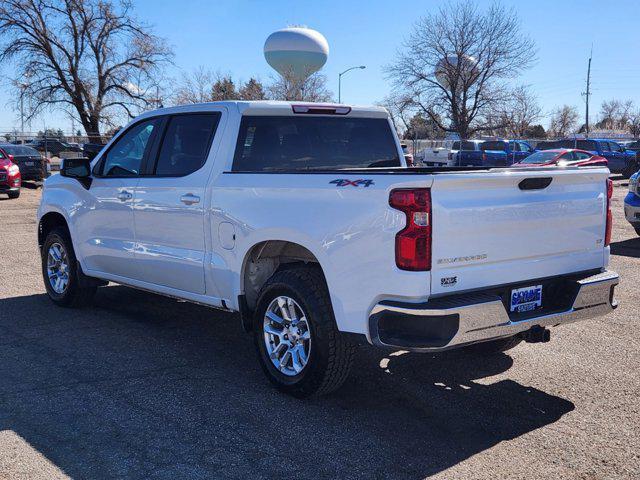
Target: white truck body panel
[[485, 230]]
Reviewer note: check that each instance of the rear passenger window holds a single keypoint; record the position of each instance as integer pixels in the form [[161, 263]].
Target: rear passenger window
[[186, 143], [277, 143]]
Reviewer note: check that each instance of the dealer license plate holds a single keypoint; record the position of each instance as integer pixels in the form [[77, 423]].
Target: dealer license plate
[[526, 299]]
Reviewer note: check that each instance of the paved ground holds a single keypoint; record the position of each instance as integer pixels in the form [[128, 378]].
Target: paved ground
[[145, 387]]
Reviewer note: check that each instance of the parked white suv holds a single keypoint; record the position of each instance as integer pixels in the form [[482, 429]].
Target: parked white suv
[[304, 218]]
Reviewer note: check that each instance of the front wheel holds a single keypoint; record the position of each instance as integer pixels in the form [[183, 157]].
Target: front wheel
[[299, 346], [61, 272], [14, 195], [637, 228]]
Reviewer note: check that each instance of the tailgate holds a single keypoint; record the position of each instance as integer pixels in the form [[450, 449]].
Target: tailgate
[[487, 231]]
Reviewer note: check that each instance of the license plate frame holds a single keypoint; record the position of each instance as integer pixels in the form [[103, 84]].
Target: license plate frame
[[29, 164], [525, 299]]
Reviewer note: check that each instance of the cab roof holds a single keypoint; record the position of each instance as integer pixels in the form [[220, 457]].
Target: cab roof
[[273, 107]]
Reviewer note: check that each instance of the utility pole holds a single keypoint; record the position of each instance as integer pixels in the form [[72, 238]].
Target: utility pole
[[586, 94]]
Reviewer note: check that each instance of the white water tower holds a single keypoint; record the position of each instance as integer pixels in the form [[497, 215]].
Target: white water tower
[[447, 67], [296, 52]]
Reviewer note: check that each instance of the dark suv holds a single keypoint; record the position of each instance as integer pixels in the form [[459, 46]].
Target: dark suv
[[53, 146]]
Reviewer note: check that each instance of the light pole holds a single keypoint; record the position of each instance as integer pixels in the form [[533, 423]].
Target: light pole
[[340, 80]]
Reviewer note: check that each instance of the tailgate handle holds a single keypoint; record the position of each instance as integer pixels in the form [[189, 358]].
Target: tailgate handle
[[535, 183]]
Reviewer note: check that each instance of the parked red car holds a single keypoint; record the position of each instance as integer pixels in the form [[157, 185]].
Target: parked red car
[[562, 157], [10, 179]]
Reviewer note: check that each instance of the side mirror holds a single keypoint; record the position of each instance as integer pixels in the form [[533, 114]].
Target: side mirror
[[78, 168]]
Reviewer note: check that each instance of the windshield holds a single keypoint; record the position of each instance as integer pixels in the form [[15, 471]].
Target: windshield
[[20, 151], [544, 156], [272, 143]]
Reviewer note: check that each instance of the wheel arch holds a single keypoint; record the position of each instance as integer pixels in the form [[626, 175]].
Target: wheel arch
[[48, 222], [266, 257]]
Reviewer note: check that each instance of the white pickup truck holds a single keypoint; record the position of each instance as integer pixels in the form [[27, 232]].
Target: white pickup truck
[[303, 218]]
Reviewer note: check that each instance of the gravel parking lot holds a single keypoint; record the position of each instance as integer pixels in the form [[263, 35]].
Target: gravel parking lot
[[141, 386]]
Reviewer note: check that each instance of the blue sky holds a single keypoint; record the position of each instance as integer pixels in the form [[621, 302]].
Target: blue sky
[[228, 36]]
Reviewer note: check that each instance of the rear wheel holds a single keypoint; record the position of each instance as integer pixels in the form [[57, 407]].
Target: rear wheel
[[299, 346], [495, 346], [61, 272], [14, 195], [637, 228]]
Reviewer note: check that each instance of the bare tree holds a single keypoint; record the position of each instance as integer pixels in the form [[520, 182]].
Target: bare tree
[[609, 113], [519, 112], [202, 85], [88, 56], [455, 61], [615, 114], [563, 121], [401, 109], [195, 87], [634, 123], [289, 86]]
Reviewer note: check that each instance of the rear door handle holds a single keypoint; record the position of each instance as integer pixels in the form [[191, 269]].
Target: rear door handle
[[123, 196], [189, 199]]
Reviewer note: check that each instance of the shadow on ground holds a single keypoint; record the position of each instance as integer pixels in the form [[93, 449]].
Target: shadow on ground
[[627, 248], [142, 386]]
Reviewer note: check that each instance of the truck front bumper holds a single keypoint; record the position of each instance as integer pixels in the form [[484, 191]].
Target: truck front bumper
[[451, 322]]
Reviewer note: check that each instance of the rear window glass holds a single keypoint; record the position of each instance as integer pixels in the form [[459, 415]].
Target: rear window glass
[[273, 143], [465, 145], [502, 146]]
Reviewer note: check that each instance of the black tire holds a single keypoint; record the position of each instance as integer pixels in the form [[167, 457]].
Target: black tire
[[637, 230], [494, 346], [14, 195], [331, 353], [75, 294]]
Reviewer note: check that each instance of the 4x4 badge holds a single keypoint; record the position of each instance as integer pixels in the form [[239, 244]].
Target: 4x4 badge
[[343, 182]]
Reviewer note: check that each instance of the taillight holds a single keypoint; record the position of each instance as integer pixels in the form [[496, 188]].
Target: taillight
[[484, 158], [413, 242], [607, 233]]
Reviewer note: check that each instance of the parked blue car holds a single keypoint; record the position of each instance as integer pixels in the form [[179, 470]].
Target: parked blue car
[[621, 161], [632, 203], [496, 153]]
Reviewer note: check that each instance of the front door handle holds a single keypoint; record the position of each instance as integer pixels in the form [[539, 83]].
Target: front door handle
[[189, 199], [123, 196]]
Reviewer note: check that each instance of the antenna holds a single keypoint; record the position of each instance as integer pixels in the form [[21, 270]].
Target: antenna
[[587, 94]]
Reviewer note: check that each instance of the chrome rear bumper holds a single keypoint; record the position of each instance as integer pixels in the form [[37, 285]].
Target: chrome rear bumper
[[446, 323]]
